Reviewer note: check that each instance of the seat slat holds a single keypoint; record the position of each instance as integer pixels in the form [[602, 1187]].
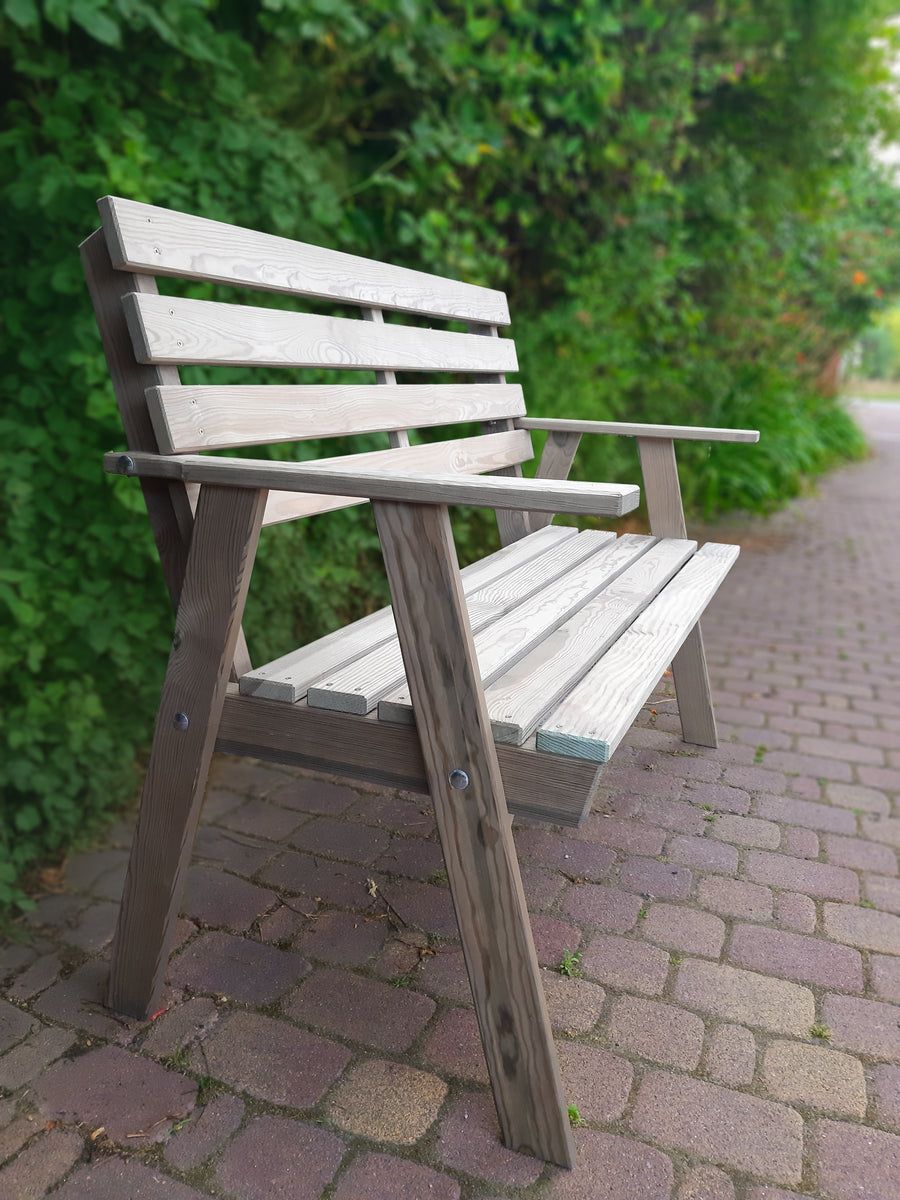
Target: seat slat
[[501, 644], [287, 678], [145, 238], [168, 329], [189, 419], [597, 714], [358, 687], [520, 699]]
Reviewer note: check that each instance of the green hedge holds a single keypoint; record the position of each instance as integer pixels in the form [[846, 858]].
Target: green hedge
[[676, 196]]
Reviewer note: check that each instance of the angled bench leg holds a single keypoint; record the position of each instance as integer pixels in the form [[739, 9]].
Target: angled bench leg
[[663, 495], [207, 626], [461, 764]]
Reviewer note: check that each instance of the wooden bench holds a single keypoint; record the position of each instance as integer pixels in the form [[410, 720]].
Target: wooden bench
[[522, 672]]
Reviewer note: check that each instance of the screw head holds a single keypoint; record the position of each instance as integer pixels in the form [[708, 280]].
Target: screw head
[[181, 721], [458, 780], [125, 464]]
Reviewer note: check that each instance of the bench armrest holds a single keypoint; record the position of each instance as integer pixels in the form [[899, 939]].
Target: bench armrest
[[481, 491], [697, 433]]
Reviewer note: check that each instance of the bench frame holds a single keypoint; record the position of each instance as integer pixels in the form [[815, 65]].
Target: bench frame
[[207, 558]]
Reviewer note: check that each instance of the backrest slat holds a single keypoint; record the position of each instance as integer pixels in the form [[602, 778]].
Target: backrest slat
[[168, 329], [142, 237], [189, 419]]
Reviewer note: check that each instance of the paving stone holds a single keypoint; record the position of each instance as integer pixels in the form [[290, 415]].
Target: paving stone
[[542, 888], [731, 1128], [736, 898], [15, 956], [676, 815], [85, 868], [719, 797], [135, 1099], [422, 906], [444, 974], [271, 1060], [14, 1136], [806, 813], [796, 911], [653, 878], [596, 1081], [224, 848], [364, 1010], [860, 855], [610, 1167], [80, 1000], [214, 898], [624, 835], [703, 853], [340, 839], [627, 964], [383, 1177], [851, 795], [574, 1005], [802, 843], [221, 963], [469, 1141], [746, 831], [263, 820], [608, 908], [179, 1026], [245, 776], [757, 779], [332, 882], [205, 1133], [577, 859], [40, 1165], [418, 858], [852, 1161], [731, 1056], [864, 1026], [36, 978], [793, 956], [706, 1183], [864, 927], [772, 1193], [278, 1159], [809, 764], [881, 829], [453, 1046], [683, 928], [743, 996], [94, 928], [14, 1025], [552, 938], [388, 1102], [886, 977], [26, 1061], [660, 1032], [797, 874], [314, 796], [886, 1088], [883, 892], [814, 1076], [349, 938]]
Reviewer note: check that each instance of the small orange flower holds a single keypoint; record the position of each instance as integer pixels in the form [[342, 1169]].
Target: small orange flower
[[859, 277]]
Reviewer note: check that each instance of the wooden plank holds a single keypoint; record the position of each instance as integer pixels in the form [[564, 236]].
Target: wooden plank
[[543, 787], [482, 491], [518, 630], [226, 532], [663, 495], [698, 433], [188, 419], [555, 463], [157, 240], [474, 827], [358, 687], [287, 678], [520, 699], [398, 437], [597, 714], [168, 329]]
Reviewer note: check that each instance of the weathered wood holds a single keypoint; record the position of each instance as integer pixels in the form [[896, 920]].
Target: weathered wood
[[662, 493], [476, 839], [156, 240], [697, 433], [555, 463], [541, 787], [398, 437], [597, 714], [223, 546], [288, 678], [358, 687], [482, 491], [169, 329]]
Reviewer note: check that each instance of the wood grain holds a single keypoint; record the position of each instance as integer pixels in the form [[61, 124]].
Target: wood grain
[[555, 463], [146, 238], [698, 433]]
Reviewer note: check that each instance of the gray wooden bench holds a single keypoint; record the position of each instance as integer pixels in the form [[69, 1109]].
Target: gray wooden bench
[[504, 686]]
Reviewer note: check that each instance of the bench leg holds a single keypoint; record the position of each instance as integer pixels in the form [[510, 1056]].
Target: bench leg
[[207, 626], [664, 507], [464, 778]]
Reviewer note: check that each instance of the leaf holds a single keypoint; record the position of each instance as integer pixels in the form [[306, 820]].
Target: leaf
[[95, 22], [23, 13]]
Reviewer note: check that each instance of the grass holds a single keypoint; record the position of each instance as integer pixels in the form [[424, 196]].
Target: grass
[[822, 1032], [571, 964], [575, 1117]]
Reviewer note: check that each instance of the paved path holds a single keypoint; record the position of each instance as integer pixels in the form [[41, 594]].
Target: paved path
[[735, 1030]]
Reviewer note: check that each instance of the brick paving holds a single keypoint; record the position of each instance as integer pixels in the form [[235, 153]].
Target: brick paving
[[733, 1033]]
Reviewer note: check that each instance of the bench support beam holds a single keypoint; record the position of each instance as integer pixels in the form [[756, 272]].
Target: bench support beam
[[476, 837], [207, 627], [666, 512]]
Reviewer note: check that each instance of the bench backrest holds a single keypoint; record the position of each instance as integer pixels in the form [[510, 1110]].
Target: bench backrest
[[166, 332]]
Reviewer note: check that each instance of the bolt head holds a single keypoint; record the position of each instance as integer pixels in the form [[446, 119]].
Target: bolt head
[[181, 721], [458, 780]]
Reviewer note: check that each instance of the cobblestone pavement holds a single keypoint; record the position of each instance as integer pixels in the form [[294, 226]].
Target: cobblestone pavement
[[734, 1033]]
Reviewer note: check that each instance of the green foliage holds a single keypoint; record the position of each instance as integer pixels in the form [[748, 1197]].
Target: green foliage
[[677, 198]]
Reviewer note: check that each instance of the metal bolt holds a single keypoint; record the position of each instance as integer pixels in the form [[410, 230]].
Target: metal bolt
[[125, 465], [176, 641], [180, 721], [458, 780]]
